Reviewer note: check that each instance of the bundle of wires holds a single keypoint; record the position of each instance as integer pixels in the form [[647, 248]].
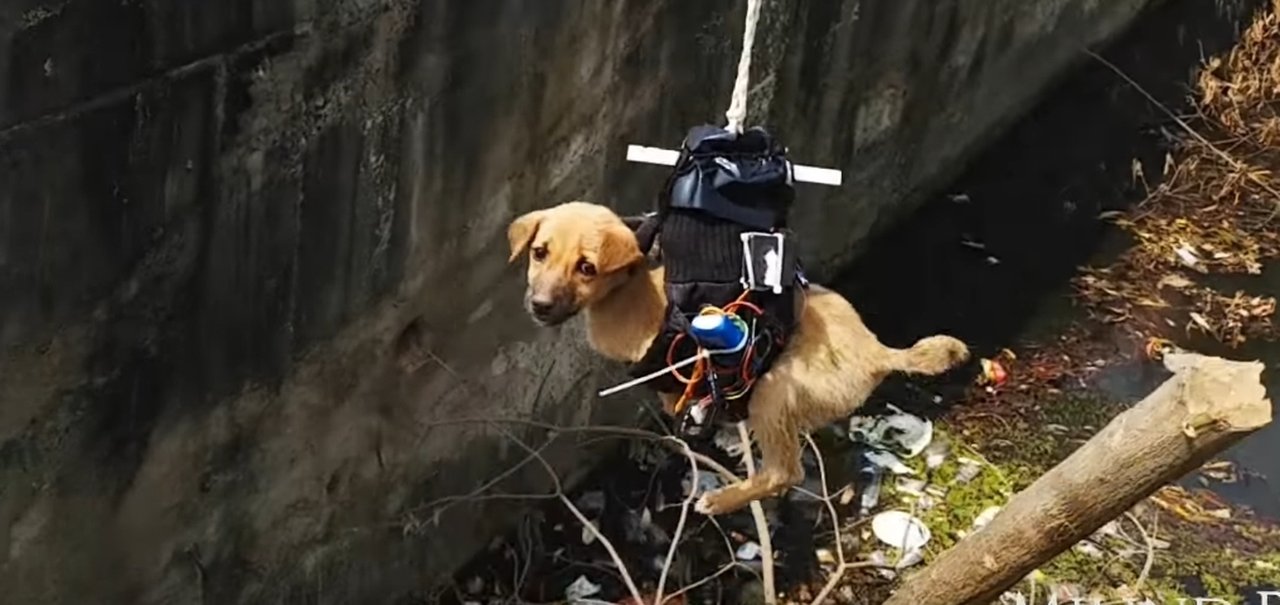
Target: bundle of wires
[[706, 384]]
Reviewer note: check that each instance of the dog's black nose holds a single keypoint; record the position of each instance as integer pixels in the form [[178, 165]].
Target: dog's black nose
[[541, 308]]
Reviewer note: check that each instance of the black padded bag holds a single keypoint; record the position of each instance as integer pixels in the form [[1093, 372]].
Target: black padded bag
[[722, 186]]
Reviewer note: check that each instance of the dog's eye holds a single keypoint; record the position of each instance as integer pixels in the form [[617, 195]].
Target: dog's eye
[[586, 268], [540, 253]]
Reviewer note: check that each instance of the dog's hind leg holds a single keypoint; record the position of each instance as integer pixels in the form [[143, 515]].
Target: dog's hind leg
[[931, 355], [780, 449]]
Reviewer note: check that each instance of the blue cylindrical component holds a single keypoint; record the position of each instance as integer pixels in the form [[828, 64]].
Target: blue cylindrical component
[[718, 332]]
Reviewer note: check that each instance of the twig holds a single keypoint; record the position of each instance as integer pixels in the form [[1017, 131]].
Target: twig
[[1234, 163], [526, 542], [684, 515], [719, 572], [1151, 551], [843, 567], [762, 526], [586, 523], [620, 431], [443, 503], [668, 440]]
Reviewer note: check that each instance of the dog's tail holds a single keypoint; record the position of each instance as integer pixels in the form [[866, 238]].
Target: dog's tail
[[931, 355]]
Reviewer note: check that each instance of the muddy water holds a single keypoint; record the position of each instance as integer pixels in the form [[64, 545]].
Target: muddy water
[[989, 259]]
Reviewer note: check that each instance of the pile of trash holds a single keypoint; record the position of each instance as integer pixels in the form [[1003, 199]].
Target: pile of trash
[[886, 472], [902, 490]]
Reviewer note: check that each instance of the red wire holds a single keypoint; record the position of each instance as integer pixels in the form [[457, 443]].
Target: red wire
[[743, 371]]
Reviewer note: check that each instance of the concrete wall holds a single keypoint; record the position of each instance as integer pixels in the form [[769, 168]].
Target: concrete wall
[[252, 271]]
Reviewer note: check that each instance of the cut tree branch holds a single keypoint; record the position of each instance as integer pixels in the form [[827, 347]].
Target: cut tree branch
[[1208, 405]]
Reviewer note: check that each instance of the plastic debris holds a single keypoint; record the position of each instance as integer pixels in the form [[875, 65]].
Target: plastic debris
[[1188, 256], [748, 551], [707, 481], [968, 470], [889, 462], [825, 556], [1222, 471], [1088, 549], [871, 475], [1111, 529], [881, 562], [1068, 593], [846, 495], [581, 589], [900, 530], [985, 517], [908, 559], [1013, 597], [993, 373], [911, 487], [935, 454], [900, 432]]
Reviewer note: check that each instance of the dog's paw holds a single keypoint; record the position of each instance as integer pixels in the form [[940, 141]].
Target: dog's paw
[[714, 503], [703, 506]]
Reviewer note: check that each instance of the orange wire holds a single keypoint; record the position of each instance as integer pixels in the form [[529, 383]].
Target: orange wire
[[699, 367]]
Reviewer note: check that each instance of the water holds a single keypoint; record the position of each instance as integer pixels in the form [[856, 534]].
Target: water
[[989, 260]]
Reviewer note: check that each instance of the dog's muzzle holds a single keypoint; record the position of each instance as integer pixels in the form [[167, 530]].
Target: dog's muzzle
[[548, 312]]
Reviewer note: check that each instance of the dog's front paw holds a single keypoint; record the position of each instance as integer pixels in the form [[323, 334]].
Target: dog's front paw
[[713, 503], [704, 506]]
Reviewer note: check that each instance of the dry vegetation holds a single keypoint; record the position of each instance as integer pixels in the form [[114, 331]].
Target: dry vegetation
[[1214, 210]]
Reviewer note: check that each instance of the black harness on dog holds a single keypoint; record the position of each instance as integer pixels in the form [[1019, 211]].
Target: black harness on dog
[[722, 216]]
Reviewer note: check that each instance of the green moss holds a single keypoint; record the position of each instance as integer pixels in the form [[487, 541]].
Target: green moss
[[1014, 451]]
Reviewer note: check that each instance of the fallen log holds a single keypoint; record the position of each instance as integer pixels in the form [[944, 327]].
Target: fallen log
[[1208, 404]]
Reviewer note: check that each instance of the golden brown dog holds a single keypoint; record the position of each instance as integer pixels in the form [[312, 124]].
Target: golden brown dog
[[582, 257]]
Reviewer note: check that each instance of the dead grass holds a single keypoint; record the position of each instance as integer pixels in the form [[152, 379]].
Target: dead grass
[[1214, 211]]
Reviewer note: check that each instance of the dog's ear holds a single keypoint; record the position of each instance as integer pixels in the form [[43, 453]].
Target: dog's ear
[[618, 249], [646, 227], [521, 231], [634, 222]]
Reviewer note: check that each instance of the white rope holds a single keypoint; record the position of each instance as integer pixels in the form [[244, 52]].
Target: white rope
[[737, 113]]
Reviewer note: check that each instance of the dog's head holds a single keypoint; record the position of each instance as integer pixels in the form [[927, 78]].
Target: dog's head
[[578, 253]]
